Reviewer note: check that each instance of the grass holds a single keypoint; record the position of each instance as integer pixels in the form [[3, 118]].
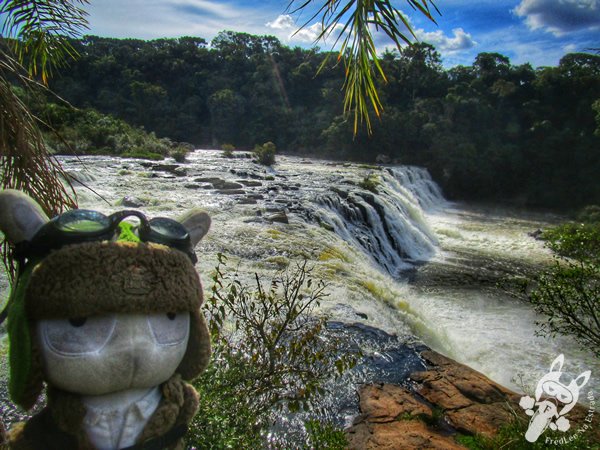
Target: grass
[[331, 253], [378, 291], [512, 437], [370, 183], [274, 234], [139, 154]]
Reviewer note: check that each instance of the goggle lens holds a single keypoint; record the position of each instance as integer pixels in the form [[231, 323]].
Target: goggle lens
[[82, 221], [168, 228]]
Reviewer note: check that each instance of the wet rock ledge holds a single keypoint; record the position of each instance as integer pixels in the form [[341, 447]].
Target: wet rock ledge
[[446, 399]]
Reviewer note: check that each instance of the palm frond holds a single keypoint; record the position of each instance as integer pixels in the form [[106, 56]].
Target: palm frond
[[353, 23], [39, 31], [24, 160]]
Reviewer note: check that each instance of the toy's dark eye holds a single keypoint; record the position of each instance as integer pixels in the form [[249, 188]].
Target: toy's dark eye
[[171, 316], [78, 321]]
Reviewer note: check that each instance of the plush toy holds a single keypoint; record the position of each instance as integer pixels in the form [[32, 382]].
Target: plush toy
[[106, 314]]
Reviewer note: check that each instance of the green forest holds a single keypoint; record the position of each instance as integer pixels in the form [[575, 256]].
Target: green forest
[[492, 131]]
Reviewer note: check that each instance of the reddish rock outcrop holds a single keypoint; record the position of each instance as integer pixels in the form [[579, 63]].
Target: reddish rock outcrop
[[393, 419], [446, 399], [472, 403]]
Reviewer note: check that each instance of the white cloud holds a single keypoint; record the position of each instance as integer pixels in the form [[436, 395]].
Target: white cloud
[[283, 22], [570, 48], [560, 16], [287, 29], [460, 40]]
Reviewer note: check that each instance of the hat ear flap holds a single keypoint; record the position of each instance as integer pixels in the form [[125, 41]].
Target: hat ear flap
[[25, 384], [26, 372], [197, 353], [34, 382]]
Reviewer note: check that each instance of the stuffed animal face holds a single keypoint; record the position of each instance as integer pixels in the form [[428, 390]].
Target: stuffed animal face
[[102, 354]]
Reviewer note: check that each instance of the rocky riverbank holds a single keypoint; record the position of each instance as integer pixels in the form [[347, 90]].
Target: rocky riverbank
[[440, 405]]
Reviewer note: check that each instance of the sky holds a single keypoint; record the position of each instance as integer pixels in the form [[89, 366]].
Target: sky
[[538, 32]]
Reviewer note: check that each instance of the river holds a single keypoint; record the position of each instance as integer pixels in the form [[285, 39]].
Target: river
[[399, 257]]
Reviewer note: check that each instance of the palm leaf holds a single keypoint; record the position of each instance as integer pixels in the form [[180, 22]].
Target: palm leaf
[[353, 22], [25, 163], [40, 31]]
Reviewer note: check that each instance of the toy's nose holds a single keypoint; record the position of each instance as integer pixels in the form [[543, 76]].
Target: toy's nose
[[134, 343], [133, 332], [132, 337]]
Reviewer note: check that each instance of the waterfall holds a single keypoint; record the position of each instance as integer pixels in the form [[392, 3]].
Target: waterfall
[[388, 225], [418, 182]]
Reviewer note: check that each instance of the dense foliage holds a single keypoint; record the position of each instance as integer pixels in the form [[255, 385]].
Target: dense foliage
[[492, 130], [265, 154], [33, 40], [88, 131]]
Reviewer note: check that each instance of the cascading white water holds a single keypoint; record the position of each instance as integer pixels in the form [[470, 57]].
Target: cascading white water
[[387, 224], [418, 182], [360, 242]]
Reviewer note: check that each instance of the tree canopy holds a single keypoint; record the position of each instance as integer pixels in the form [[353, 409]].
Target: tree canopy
[[489, 131]]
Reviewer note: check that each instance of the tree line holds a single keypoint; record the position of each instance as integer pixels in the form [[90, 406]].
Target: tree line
[[490, 131]]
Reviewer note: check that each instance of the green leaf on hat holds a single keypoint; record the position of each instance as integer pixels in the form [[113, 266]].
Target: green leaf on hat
[[127, 234]]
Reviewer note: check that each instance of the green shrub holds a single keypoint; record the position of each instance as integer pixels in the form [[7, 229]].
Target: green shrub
[[179, 155], [87, 131], [180, 151], [325, 436], [268, 356], [227, 150], [512, 437], [370, 182], [265, 154], [141, 154], [580, 241], [589, 214], [568, 294], [224, 419]]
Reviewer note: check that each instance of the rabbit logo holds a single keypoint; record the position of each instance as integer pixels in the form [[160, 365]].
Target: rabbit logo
[[558, 399]]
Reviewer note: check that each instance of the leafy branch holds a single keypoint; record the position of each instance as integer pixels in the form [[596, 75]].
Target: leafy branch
[[38, 33], [272, 332]]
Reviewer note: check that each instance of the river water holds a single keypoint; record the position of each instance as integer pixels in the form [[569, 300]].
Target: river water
[[400, 258]]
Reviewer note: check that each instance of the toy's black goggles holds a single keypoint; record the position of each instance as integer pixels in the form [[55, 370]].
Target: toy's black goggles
[[83, 225]]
